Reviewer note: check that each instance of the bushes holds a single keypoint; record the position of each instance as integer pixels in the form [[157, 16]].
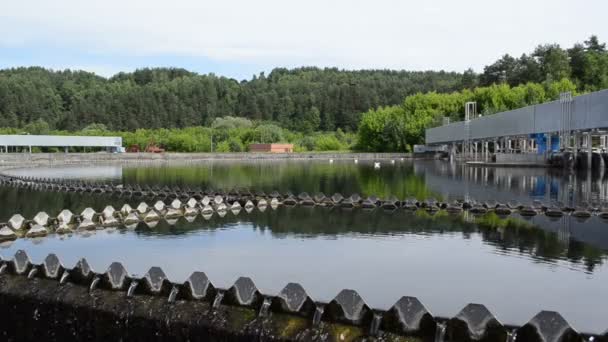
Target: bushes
[[398, 128], [325, 141], [307, 143], [228, 135], [230, 122], [384, 130], [328, 143]]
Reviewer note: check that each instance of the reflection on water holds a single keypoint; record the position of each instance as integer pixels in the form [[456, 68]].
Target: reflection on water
[[297, 176], [508, 183], [516, 267], [98, 172], [420, 179], [444, 260]]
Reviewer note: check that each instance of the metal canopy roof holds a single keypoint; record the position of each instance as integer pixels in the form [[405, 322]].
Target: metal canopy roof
[[59, 141], [589, 112]]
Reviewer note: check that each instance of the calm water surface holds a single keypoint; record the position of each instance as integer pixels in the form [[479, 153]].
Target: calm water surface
[[446, 261]]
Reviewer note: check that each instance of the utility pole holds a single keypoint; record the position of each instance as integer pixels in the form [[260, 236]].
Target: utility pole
[[565, 100], [470, 111]]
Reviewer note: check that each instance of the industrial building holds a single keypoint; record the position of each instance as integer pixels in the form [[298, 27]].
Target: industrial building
[[572, 124], [271, 148], [21, 143]]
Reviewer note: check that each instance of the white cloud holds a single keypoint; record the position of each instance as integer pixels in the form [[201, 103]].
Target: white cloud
[[431, 34]]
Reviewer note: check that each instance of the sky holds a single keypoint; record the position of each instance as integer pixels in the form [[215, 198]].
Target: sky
[[240, 38]]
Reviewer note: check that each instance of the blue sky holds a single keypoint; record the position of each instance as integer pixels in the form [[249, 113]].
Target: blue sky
[[239, 38]]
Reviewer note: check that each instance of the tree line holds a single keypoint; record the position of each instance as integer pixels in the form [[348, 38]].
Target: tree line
[[586, 64], [398, 128], [303, 99], [388, 110], [507, 84], [225, 134]]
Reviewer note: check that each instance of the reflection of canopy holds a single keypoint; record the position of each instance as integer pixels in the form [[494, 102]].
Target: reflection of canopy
[[105, 172], [539, 237]]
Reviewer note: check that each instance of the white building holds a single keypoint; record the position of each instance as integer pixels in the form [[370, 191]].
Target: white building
[[111, 144]]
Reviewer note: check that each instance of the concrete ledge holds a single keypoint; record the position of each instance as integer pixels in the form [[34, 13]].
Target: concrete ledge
[[521, 159], [41, 309]]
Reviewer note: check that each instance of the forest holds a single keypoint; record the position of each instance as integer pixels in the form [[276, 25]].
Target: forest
[[316, 109], [305, 99]]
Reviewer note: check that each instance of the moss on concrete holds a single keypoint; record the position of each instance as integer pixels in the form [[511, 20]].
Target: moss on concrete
[[70, 313]]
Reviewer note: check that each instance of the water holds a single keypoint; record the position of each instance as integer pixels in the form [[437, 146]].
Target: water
[[512, 336], [217, 301], [447, 262], [94, 284], [265, 307], [440, 332], [64, 277], [173, 294], [132, 288], [375, 325], [32, 273], [316, 319]]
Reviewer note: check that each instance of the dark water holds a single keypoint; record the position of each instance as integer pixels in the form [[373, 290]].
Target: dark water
[[516, 267]]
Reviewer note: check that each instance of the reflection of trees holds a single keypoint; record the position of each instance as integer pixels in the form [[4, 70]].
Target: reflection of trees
[[588, 255], [29, 202], [512, 233], [296, 176], [384, 182], [509, 235]]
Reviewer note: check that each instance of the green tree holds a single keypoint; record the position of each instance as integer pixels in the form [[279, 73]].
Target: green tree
[[593, 44], [38, 127], [500, 71], [96, 127], [553, 60], [526, 70], [469, 79], [379, 129], [309, 122]]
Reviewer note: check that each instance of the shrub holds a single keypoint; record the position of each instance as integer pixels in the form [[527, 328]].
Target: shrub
[[328, 143], [307, 143]]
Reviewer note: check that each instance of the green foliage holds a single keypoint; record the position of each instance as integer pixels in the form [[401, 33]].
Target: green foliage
[[226, 138], [268, 134], [97, 127], [398, 128], [328, 143], [303, 99], [389, 110], [585, 64], [37, 127], [235, 145], [229, 122], [382, 130], [307, 143], [223, 147]]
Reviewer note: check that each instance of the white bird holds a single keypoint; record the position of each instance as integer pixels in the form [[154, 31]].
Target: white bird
[[376, 165], [331, 161], [392, 161], [356, 161]]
